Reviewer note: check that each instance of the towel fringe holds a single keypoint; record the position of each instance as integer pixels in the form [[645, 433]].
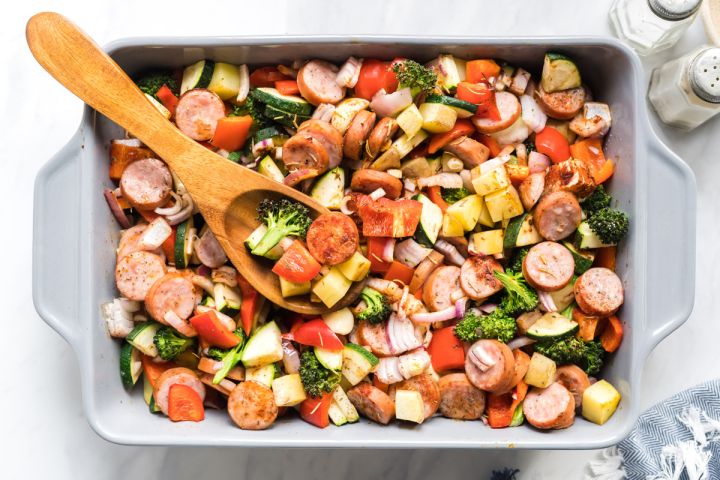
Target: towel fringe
[[608, 467]]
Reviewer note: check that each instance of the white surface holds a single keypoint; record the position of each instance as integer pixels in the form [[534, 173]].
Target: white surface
[[40, 396]]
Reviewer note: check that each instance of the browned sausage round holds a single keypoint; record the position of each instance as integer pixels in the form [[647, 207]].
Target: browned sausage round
[[548, 266], [332, 238], [375, 337], [136, 272], [551, 407], [439, 287], [146, 183], [557, 215], [522, 363], [372, 402], [251, 406], [356, 134], [198, 112], [571, 176], [531, 189], [423, 271], [428, 389], [368, 180], [599, 291], [562, 105], [303, 152], [174, 376], [459, 399], [174, 291], [470, 151], [297, 176], [130, 242], [574, 379], [316, 81], [329, 136], [490, 366], [209, 251], [381, 136], [477, 279], [509, 107]]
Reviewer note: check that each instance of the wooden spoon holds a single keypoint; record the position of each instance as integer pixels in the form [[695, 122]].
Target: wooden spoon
[[226, 193]]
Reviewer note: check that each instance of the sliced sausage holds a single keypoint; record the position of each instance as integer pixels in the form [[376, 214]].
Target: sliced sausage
[[146, 183], [136, 272], [599, 291], [551, 407], [527, 320], [356, 134], [174, 291], [174, 376], [574, 379], [329, 136], [300, 175], [332, 238], [381, 137], [251, 406], [570, 176], [548, 266], [531, 189], [562, 105], [198, 112], [316, 81], [368, 180], [372, 402], [470, 151], [522, 362], [557, 215], [477, 279], [423, 271], [440, 286], [509, 107], [490, 366], [375, 337], [459, 399], [209, 251], [130, 242], [304, 153], [428, 389]]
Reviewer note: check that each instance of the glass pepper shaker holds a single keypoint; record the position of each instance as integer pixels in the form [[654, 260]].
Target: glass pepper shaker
[[650, 26], [686, 91]]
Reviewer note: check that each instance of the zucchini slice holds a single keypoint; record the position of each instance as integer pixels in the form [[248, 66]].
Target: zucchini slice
[[357, 363], [559, 73], [286, 103], [197, 75], [431, 219], [586, 238], [268, 168], [142, 336], [130, 365], [148, 395], [583, 258], [521, 232], [462, 108], [552, 326], [330, 359], [181, 238], [329, 189], [225, 81], [288, 119]]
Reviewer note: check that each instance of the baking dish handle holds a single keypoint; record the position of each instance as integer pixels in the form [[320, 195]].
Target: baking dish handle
[[670, 242], [56, 252]]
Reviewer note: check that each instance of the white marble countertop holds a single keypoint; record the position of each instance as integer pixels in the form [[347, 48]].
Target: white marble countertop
[[44, 432]]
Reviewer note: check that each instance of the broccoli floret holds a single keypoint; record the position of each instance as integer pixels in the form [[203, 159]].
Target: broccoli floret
[[377, 308], [315, 378], [415, 76], [452, 195], [520, 296], [517, 259], [229, 357], [170, 344], [283, 217], [497, 325], [609, 224], [587, 355], [151, 82], [597, 200]]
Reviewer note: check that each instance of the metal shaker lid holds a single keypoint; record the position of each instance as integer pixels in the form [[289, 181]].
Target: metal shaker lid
[[704, 74], [674, 9]]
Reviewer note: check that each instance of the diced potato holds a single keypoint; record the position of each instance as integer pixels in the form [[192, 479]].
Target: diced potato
[[541, 371], [489, 242], [225, 81], [451, 227], [485, 219], [450, 163], [504, 203], [437, 118], [409, 406], [467, 211], [355, 268], [332, 287], [291, 289], [400, 147], [488, 182], [528, 233], [600, 400], [340, 321], [416, 168], [288, 390], [345, 112], [410, 120]]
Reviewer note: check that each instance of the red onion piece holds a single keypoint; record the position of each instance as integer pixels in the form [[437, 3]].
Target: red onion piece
[[390, 104], [411, 253], [547, 304], [532, 115], [209, 251], [520, 342], [448, 313], [349, 73], [291, 359], [451, 253], [204, 271], [389, 250], [116, 209], [487, 307], [460, 307], [324, 112], [538, 162]]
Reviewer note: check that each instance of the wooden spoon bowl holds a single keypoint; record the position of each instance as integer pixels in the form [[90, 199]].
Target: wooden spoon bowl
[[226, 193]]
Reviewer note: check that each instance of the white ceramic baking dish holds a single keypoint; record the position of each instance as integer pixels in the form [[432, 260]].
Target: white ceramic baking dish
[[75, 237]]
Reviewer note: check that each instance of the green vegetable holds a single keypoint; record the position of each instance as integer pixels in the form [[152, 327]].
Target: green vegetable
[[520, 297], [496, 325], [315, 378], [415, 76], [597, 200], [609, 224], [170, 344], [452, 195], [587, 355], [377, 306], [568, 312], [229, 357], [283, 217], [235, 156], [255, 109], [151, 82], [517, 259], [518, 416]]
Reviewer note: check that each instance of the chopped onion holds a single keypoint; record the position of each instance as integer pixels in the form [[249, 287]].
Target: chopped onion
[[225, 274], [202, 269], [411, 253], [155, 234], [324, 112], [204, 283], [444, 180], [262, 146], [227, 321], [291, 359], [128, 305], [493, 163], [115, 208], [467, 180], [183, 214], [532, 115], [488, 307], [520, 342], [538, 162], [377, 194], [409, 184], [389, 249], [460, 307], [343, 205], [390, 104], [388, 370], [547, 304], [227, 384], [349, 73], [177, 206], [448, 313], [401, 334], [244, 74], [179, 324], [515, 133], [413, 363], [451, 253]]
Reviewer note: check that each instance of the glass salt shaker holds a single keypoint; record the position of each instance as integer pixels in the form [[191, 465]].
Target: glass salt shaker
[[650, 26], [686, 91]]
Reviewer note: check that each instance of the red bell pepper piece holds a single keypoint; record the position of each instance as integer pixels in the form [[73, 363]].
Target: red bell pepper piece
[[287, 87], [552, 143], [399, 272], [388, 218], [266, 77], [376, 247], [184, 404], [297, 264], [315, 410], [168, 99], [446, 350], [461, 128], [232, 132], [210, 329], [249, 305], [481, 70], [316, 333]]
